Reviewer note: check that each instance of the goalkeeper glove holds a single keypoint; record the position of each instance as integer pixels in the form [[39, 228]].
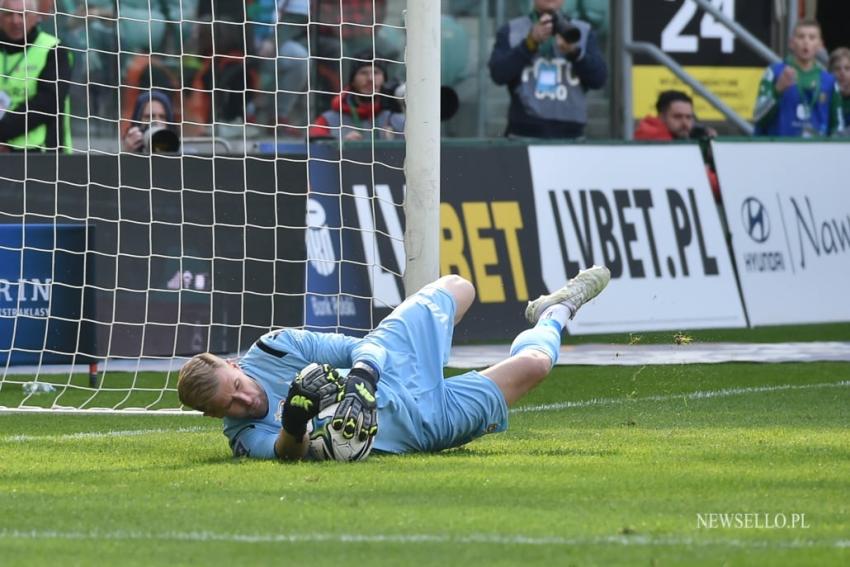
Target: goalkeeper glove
[[357, 413], [315, 388]]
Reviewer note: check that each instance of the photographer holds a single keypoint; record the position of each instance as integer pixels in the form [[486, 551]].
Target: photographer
[[152, 130], [548, 62]]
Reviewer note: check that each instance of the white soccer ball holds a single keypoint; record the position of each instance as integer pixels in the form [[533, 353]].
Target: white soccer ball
[[328, 444]]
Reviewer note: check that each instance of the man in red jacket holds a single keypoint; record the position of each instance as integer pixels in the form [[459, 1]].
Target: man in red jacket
[[676, 121]]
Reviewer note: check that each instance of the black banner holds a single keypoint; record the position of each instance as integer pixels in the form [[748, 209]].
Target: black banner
[[199, 253], [187, 253], [487, 223]]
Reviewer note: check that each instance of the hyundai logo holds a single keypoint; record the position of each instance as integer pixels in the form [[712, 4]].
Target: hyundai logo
[[755, 219]]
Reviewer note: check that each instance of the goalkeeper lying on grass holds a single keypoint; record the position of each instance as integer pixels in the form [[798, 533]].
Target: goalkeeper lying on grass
[[395, 389]]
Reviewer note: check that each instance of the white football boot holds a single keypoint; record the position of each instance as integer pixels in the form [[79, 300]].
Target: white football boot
[[578, 291]]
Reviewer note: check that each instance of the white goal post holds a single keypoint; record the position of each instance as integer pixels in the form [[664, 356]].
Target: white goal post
[[422, 164], [118, 261]]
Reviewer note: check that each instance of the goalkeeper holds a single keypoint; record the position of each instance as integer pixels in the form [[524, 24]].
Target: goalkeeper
[[395, 389]]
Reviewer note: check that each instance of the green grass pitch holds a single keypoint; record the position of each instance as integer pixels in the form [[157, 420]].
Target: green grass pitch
[[600, 466]]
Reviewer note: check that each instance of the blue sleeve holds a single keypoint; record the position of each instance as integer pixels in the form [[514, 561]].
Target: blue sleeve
[[506, 62], [590, 67], [254, 443], [324, 348], [372, 353]]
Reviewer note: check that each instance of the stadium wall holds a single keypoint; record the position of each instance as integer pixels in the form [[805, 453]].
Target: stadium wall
[[516, 220]]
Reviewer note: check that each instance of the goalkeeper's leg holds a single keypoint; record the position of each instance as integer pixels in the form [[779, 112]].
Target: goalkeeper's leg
[[528, 365], [535, 351], [461, 290]]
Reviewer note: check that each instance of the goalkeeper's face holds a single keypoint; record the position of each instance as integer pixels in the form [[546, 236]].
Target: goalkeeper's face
[[238, 396]]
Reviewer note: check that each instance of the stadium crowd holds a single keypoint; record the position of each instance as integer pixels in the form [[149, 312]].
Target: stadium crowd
[[209, 68]]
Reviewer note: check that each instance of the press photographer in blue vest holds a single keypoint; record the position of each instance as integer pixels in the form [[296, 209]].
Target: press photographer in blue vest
[[548, 61], [34, 73]]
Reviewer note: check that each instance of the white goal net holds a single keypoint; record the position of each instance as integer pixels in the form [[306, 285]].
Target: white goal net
[[219, 169]]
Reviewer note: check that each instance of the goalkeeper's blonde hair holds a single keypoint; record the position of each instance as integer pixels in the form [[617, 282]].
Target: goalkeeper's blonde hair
[[198, 381]]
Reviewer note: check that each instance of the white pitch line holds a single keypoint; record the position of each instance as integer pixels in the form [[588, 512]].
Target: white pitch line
[[699, 395], [97, 434], [471, 539]]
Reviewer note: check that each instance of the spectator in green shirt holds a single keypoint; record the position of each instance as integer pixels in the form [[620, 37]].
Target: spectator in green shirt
[[798, 98]]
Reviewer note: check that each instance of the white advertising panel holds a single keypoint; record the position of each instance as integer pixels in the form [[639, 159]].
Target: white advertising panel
[[648, 214], [788, 208]]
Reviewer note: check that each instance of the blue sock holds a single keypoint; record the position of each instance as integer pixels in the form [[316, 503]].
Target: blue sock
[[554, 323], [545, 337]]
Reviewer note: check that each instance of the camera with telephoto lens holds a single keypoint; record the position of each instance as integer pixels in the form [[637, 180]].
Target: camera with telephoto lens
[[563, 26], [159, 139], [393, 94]]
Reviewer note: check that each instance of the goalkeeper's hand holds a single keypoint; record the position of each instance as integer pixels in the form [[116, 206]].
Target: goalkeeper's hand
[[357, 414], [316, 387]]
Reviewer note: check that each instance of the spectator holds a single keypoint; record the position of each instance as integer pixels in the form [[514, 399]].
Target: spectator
[[548, 63], [281, 40], [153, 111], [351, 20], [357, 110], [839, 64], [223, 88], [798, 98], [676, 121], [343, 27], [34, 75]]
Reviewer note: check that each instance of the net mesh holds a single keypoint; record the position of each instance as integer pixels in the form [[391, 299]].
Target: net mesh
[[220, 182]]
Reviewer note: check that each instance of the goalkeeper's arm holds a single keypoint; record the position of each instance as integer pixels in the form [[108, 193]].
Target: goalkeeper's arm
[[315, 388], [357, 413], [288, 448], [296, 411]]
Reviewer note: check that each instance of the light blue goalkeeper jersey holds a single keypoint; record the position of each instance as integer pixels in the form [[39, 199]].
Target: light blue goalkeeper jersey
[[417, 409], [274, 361]]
